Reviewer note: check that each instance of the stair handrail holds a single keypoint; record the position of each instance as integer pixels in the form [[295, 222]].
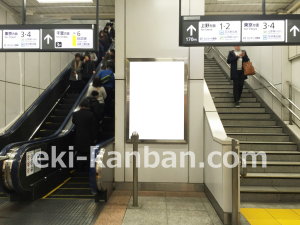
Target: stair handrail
[[224, 59]]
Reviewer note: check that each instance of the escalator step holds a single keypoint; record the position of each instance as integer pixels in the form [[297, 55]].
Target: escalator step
[[56, 119], [64, 106], [45, 133], [71, 96], [67, 101], [51, 126], [61, 112]]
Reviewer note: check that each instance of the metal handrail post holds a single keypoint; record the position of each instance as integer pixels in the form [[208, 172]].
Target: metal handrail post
[[290, 104], [235, 185], [135, 141]]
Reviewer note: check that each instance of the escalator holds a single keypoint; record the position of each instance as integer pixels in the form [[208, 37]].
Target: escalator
[[56, 117], [55, 130]]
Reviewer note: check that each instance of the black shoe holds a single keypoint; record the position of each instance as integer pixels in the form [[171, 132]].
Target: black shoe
[[237, 105]]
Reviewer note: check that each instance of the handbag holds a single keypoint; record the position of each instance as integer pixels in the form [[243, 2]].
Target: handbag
[[248, 68]]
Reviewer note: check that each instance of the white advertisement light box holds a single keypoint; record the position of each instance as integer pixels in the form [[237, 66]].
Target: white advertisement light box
[[157, 100]]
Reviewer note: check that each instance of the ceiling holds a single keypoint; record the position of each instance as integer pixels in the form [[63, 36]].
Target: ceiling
[[215, 7], [107, 8]]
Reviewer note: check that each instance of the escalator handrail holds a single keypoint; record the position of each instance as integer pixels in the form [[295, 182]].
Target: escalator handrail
[[36, 103]]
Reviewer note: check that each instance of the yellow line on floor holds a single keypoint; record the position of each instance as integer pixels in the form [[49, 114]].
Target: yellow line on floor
[[257, 216], [56, 188]]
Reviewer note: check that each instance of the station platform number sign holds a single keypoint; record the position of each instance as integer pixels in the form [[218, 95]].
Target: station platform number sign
[[23, 38], [239, 30]]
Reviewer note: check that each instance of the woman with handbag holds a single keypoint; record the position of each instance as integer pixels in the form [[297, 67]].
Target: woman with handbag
[[236, 58]]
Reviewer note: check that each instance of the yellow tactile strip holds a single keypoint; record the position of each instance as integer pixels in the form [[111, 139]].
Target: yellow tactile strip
[[271, 216]]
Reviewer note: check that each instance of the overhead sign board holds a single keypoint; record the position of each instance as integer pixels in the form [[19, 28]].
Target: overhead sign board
[[21, 39], [225, 31], [48, 38], [240, 30], [263, 31]]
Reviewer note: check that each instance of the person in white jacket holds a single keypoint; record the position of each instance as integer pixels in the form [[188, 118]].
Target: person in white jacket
[[97, 86]]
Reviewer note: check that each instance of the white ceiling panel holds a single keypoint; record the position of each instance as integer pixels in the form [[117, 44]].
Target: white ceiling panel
[[107, 8]]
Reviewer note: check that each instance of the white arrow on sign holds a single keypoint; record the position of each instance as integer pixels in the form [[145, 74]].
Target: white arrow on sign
[[295, 29], [48, 37], [191, 29]]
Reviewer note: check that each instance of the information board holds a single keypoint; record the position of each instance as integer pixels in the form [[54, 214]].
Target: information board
[[73, 39], [48, 38], [263, 31], [225, 31], [239, 30], [18, 39]]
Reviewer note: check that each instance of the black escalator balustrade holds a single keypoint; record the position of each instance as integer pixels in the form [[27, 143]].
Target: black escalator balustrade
[[57, 116]]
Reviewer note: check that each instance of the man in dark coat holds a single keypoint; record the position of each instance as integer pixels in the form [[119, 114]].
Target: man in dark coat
[[88, 68], [236, 58], [85, 134], [96, 107]]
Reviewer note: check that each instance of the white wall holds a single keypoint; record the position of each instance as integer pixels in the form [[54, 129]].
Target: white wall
[[149, 29], [272, 63], [24, 76]]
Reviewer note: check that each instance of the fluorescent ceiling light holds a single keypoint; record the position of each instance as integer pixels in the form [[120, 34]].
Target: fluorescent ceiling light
[[65, 1]]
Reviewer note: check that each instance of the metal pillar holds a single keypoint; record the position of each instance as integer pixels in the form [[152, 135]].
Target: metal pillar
[[97, 20], [135, 141], [290, 104], [235, 185], [24, 12], [264, 7]]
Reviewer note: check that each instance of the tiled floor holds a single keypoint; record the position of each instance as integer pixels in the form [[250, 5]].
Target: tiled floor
[[178, 208]]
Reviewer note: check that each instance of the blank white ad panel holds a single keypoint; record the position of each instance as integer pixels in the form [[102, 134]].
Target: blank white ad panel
[[157, 100]]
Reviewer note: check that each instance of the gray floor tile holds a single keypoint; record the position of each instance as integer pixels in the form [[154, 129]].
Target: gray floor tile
[[185, 206], [142, 217], [189, 217]]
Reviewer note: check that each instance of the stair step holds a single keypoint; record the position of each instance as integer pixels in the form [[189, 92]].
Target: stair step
[[241, 110], [225, 82], [260, 136], [211, 86], [214, 74], [245, 117], [271, 179], [242, 104], [267, 146], [229, 94], [226, 90], [287, 156], [269, 189], [230, 100], [252, 129]]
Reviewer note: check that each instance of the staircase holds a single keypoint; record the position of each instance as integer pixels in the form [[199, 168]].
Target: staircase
[[256, 131]]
